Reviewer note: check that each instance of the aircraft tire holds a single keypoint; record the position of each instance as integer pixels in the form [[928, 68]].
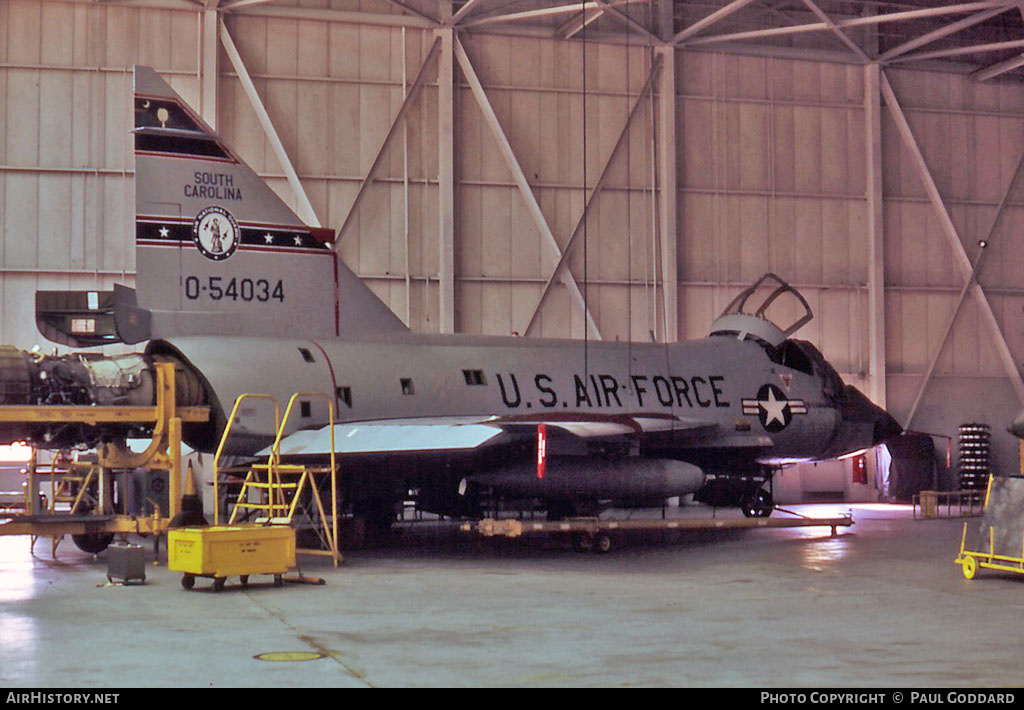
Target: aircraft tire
[[93, 543], [582, 542], [378, 517], [757, 504]]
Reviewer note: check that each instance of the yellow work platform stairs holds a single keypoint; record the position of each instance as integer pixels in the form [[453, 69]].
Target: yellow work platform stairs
[[272, 493], [75, 488], [70, 486], [274, 499]]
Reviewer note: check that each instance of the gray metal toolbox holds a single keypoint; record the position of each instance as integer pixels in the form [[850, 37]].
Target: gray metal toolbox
[[126, 562]]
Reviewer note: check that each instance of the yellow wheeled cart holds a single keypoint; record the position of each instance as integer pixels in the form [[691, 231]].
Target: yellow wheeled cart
[[267, 545], [971, 561], [223, 551]]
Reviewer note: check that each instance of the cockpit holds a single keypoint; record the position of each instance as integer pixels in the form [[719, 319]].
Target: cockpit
[[768, 313], [762, 311]]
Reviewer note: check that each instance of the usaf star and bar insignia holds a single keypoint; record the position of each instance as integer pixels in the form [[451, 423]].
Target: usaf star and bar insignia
[[773, 408]]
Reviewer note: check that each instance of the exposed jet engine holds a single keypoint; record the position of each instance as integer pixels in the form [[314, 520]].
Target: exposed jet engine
[[82, 379]]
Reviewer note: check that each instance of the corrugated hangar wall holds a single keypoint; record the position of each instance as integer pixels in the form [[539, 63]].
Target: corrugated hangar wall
[[971, 135], [773, 176]]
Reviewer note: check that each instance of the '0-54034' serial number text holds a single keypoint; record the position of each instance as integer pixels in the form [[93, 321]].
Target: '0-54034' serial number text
[[234, 289]]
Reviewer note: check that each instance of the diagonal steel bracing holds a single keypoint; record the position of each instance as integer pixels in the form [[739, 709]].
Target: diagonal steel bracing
[[550, 11], [944, 31], [711, 19], [574, 25], [399, 118], [960, 51], [567, 252], [998, 68], [305, 207], [971, 282], [962, 261], [628, 21], [834, 29], [464, 10], [996, 5], [491, 119]]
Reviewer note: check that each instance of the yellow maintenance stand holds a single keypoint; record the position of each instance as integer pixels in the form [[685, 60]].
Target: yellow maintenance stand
[[267, 543], [1009, 530], [86, 488]]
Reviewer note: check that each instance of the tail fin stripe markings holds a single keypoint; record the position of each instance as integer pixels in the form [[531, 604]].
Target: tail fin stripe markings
[[161, 233]]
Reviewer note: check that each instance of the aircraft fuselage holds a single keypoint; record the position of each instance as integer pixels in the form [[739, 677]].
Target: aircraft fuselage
[[730, 386]]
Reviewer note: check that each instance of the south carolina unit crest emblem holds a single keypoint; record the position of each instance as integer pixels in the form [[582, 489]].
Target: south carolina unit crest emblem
[[215, 233]]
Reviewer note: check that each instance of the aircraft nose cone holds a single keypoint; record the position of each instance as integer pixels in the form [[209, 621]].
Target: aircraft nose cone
[[859, 409], [885, 428], [863, 424]]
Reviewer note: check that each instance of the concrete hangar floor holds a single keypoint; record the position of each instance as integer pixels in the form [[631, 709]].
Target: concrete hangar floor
[[880, 605]]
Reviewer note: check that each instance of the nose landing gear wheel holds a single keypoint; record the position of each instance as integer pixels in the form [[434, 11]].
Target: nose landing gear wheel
[[582, 542], [758, 504], [599, 542]]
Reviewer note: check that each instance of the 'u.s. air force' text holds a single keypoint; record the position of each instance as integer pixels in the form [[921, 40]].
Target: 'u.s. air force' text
[[604, 390]]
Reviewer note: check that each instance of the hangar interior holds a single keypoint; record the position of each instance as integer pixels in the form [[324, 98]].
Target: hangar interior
[[603, 170], [860, 150]]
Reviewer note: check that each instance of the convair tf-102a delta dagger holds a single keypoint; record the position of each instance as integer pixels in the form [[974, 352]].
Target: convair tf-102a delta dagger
[[225, 268]]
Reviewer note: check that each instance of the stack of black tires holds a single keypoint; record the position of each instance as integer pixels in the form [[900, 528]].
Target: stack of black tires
[[974, 446]]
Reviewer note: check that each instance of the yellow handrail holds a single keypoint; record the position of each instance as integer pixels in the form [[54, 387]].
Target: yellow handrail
[[224, 438], [274, 468], [276, 456]]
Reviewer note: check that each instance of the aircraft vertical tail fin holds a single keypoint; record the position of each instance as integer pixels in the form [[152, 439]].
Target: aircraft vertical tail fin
[[217, 251]]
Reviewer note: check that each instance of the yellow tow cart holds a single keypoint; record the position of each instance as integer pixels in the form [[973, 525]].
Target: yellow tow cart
[[223, 551], [971, 561]]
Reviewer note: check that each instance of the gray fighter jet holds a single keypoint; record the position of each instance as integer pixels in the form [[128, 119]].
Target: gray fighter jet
[[244, 298]]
